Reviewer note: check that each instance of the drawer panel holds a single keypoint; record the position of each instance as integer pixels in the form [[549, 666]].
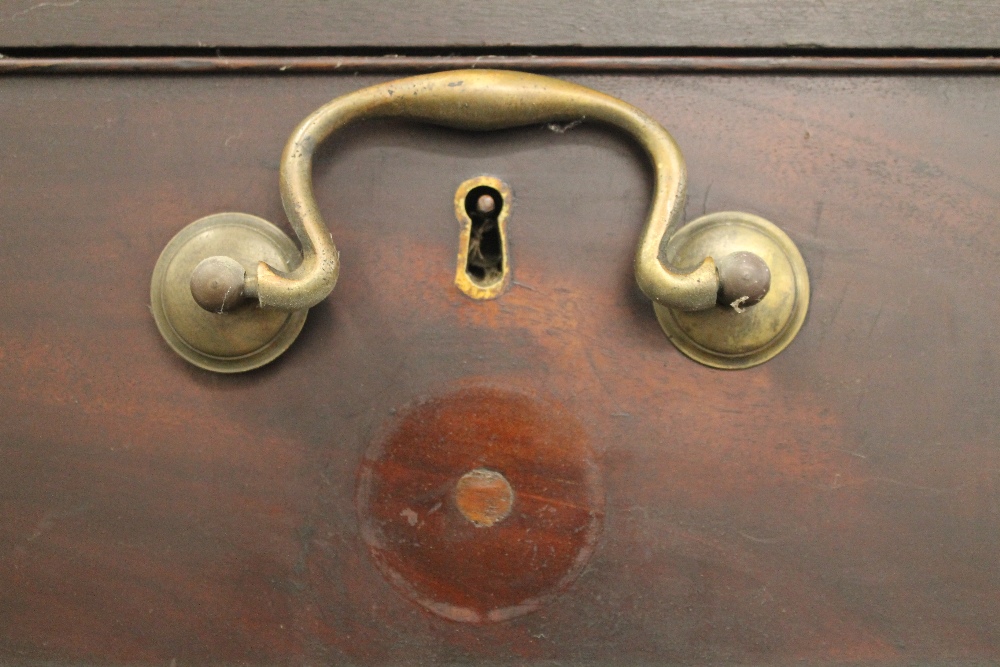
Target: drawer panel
[[838, 503], [516, 24]]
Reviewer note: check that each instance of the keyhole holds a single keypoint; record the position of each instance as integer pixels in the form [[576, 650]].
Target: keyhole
[[484, 261], [483, 207]]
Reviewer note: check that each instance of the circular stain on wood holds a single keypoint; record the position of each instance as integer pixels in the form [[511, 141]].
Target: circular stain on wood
[[482, 504]]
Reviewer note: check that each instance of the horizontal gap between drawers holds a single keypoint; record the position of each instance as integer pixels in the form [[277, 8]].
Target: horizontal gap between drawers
[[269, 61]]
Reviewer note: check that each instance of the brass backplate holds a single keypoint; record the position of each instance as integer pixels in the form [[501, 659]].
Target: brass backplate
[[726, 336], [238, 340]]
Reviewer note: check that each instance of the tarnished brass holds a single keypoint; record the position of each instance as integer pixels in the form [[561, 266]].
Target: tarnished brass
[[730, 335], [476, 100], [234, 340], [471, 100], [493, 287], [217, 284], [479, 100]]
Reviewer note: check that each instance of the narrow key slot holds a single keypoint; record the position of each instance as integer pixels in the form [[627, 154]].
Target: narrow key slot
[[482, 207], [484, 260]]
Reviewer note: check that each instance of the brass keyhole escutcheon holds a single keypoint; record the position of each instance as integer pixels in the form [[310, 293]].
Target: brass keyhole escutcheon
[[482, 206]]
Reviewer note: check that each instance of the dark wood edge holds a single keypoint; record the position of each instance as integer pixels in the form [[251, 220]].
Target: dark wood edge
[[386, 25], [579, 64]]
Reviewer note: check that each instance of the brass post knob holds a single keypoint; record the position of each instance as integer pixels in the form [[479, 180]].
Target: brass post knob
[[281, 284], [763, 292]]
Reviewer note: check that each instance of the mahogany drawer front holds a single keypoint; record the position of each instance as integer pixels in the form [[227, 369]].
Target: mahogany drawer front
[[838, 503]]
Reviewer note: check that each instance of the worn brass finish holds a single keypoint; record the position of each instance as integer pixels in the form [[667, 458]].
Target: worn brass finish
[[478, 100], [728, 335], [471, 100], [218, 284], [235, 340], [465, 282]]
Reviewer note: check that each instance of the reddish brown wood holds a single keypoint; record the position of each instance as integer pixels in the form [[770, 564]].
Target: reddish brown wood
[[839, 503], [427, 529]]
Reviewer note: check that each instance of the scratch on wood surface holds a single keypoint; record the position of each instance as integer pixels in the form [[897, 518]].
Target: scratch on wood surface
[[818, 218], [871, 329], [852, 453], [520, 284], [48, 520], [600, 381], [865, 389], [933, 490], [41, 5], [840, 302], [891, 481]]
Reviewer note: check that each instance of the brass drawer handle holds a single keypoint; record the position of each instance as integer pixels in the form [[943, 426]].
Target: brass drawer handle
[[465, 99]]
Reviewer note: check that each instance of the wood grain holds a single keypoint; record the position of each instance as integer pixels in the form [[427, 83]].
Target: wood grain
[[439, 553], [524, 24], [838, 504]]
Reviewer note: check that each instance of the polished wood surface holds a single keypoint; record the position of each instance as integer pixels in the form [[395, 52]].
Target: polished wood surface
[[481, 504], [512, 24], [839, 503]]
